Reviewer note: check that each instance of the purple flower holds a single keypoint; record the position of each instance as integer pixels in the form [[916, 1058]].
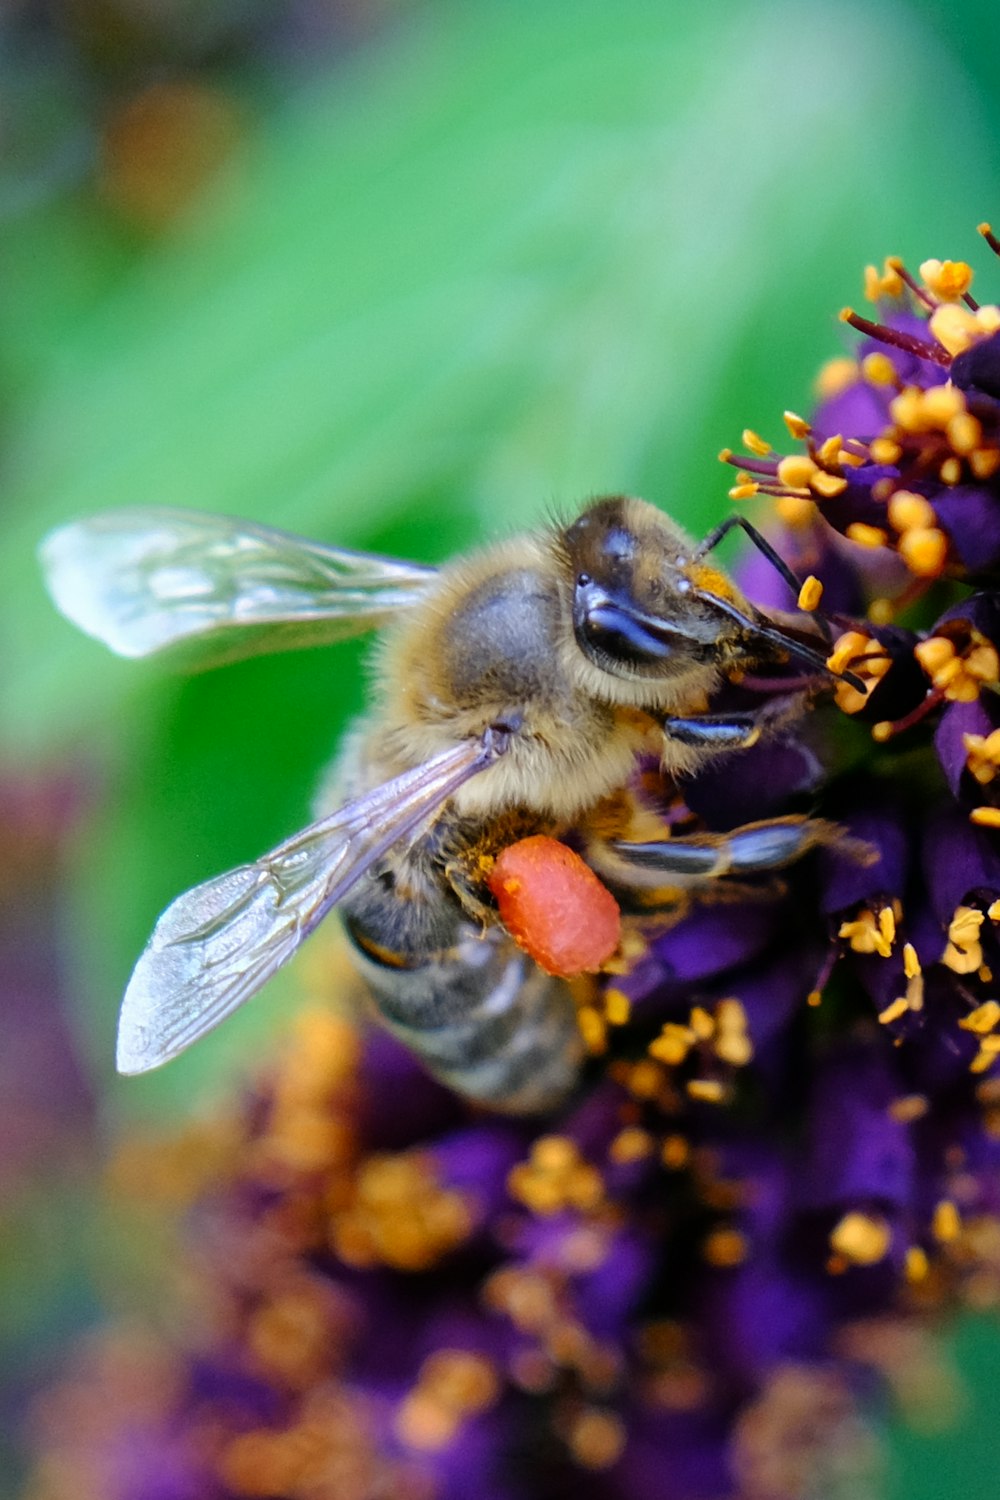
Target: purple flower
[[786, 1142]]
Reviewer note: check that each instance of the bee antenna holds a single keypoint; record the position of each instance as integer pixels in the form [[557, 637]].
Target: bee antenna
[[777, 637]]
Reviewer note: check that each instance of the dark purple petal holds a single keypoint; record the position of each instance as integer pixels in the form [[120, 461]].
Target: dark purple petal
[[959, 861], [980, 611], [970, 514], [761, 782], [978, 367], [958, 720], [860, 410], [858, 1154], [847, 880]]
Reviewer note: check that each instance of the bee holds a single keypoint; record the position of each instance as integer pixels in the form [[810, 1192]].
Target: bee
[[515, 690]]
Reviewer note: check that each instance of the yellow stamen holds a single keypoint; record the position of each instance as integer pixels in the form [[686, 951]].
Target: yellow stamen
[[810, 594], [827, 486], [631, 1144], [947, 279], [885, 450], [959, 677], [934, 653], [861, 1239], [950, 471], [965, 433], [797, 426], [555, 1177], [908, 1108], [985, 817], [725, 1248], [881, 611], [984, 462], [617, 1007], [734, 1048], [982, 1019], [865, 535], [915, 992], [596, 1438], [795, 511], [946, 1225], [836, 376], [864, 935], [940, 405], [884, 283], [878, 369], [924, 549], [744, 491], [828, 452], [963, 953], [893, 1011], [709, 1090], [911, 963], [675, 1153], [796, 471], [955, 327], [982, 755], [907, 510], [755, 442], [701, 1023], [907, 409], [916, 1265], [673, 1043], [593, 1029]]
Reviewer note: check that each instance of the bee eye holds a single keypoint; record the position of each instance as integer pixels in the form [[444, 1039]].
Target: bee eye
[[582, 580]]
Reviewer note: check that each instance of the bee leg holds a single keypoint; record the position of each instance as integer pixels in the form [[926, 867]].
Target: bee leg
[[753, 849], [714, 731]]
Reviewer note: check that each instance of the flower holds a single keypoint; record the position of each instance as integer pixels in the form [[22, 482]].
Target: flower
[[785, 1151]]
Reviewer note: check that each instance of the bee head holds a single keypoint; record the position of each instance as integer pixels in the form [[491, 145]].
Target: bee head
[[637, 611]]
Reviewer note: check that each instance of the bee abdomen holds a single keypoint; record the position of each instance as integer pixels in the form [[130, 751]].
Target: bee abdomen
[[485, 1021]]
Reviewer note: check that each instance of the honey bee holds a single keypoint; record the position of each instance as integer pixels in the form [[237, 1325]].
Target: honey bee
[[514, 691]]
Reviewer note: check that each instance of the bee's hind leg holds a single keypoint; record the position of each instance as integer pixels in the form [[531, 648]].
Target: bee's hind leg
[[754, 848]]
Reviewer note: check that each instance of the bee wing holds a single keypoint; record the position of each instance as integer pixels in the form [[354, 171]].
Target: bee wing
[[144, 579], [216, 945]]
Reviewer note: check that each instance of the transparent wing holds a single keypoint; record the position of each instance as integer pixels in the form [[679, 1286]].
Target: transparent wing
[[216, 945], [144, 579]]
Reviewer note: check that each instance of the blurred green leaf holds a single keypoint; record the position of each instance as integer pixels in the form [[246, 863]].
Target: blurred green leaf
[[510, 260]]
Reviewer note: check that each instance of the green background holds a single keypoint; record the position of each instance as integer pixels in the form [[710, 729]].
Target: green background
[[499, 258]]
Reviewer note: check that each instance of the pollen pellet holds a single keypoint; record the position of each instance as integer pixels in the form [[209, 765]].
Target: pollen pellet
[[554, 906]]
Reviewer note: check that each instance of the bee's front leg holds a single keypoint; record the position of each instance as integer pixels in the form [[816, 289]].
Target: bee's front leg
[[735, 731], [714, 731]]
